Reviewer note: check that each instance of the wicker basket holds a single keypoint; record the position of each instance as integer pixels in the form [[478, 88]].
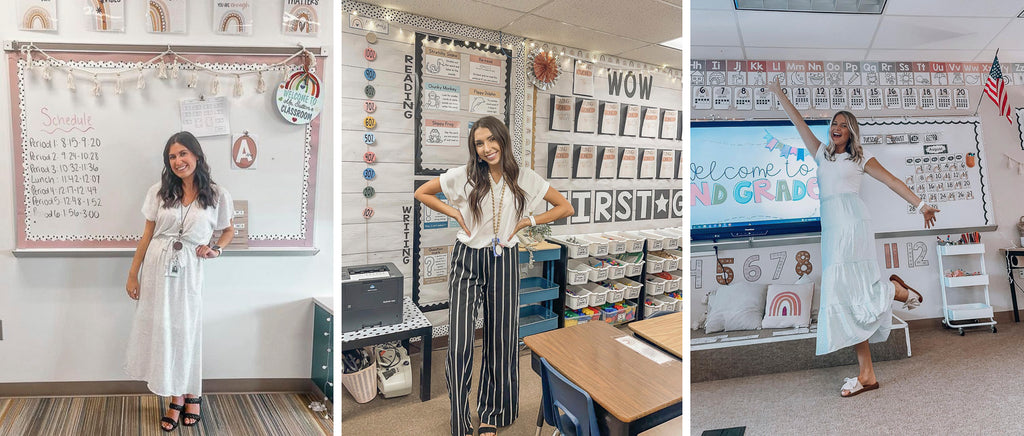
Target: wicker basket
[[362, 384]]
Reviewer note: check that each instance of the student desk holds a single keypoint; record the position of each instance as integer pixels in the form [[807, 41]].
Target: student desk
[[631, 392], [664, 331], [1011, 267], [414, 323]]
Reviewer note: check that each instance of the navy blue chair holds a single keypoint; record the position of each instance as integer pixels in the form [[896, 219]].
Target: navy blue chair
[[567, 407]]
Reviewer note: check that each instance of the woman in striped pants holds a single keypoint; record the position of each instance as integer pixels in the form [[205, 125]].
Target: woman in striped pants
[[489, 197]]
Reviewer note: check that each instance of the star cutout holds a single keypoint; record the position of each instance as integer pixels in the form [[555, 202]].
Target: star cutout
[[662, 203]]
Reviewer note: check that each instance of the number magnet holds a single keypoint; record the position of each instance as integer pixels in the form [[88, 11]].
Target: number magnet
[[369, 122], [371, 37], [369, 74], [370, 54], [368, 191], [369, 157], [369, 138], [369, 106], [368, 212], [370, 92], [369, 174]]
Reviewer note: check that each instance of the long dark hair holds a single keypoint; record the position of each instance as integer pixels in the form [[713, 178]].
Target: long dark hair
[[478, 172], [171, 190]]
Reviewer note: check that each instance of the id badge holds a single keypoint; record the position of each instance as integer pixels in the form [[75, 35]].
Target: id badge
[[174, 268]]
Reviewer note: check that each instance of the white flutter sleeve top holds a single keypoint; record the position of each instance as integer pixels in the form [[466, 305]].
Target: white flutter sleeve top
[[456, 189]]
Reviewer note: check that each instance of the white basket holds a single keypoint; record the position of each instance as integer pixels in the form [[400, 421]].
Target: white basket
[[577, 272], [655, 264], [634, 242], [362, 384], [670, 241], [674, 264], [616, 244], [616, 272], [655, 307], [655, 241], [673, 284], [598, 294], [576, 251], [669, 303], [597, 273], [634, 269], [632, 288], [576, 297], [614, 295], [655, 285], [596, 246]]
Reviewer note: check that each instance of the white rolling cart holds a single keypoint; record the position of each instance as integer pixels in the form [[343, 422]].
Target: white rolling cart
[[972, 314]]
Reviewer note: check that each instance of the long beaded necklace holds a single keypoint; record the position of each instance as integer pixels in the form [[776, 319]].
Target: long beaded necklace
[[496, 222], [181, 225]]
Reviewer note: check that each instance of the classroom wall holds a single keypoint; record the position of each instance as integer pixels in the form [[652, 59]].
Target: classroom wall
[[67, 319], [1000, 139]]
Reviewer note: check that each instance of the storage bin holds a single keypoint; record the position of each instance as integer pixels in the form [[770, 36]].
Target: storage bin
[[362, 384], [598, 294], [535, 319], [632, 288], [577, 272], [655, 264], [614, 295], [576, 297], [670, 241], [616, 268], [536, 289], [629, 311], [575, 250], [673, 284], [610, 314], [597, 246], [597, 273], [634, 242], [655, 241], [652, 306], [669, 304], [616, 244], [655, 285]]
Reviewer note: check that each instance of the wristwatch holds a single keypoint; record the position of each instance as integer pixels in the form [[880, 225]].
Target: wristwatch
[[216, 248]]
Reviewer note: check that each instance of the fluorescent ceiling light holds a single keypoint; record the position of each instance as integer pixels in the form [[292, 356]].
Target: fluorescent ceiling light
[[675, 43], [824, 6]]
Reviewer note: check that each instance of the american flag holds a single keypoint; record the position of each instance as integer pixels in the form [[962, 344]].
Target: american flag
[[995, 89]]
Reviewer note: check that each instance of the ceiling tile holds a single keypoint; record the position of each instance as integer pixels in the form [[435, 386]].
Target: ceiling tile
[[644, 20], [1009, 37], [714, 28], [789, 29], [543, 29], [797, 54], [711, 52], [655, 54], [471, 13], [519, 5], [954, 8], [1014, 56], [922, 55], [937, 33]]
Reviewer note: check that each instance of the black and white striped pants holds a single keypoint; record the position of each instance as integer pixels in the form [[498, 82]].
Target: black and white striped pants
[[480, 279]]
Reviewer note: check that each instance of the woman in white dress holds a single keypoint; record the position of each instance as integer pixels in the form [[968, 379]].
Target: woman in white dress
[[165, 342], [855, 307], [490, 198]]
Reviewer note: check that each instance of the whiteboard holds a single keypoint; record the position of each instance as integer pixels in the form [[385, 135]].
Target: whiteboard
[[83, 162], [931, 155]]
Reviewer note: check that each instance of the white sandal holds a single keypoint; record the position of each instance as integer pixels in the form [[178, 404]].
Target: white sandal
[[854, 387]]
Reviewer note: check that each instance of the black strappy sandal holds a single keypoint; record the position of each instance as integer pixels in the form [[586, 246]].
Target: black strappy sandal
[[196, 417], [173, 422], [487, 429]]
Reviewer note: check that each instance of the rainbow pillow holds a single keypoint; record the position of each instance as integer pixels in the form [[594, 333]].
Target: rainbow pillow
[[788, 306]]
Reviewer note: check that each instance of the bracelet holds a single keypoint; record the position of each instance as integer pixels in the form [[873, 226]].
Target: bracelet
[[919, 207], [533, 221], [216, 248]]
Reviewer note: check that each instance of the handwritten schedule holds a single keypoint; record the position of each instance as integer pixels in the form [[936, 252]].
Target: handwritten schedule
[[63, 180]]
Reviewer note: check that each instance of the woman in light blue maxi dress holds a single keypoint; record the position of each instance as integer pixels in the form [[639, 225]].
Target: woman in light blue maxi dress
[[855, 301]]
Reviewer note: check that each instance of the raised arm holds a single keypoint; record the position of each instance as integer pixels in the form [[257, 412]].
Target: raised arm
[[883, 175], [811, 142], [427, 194]]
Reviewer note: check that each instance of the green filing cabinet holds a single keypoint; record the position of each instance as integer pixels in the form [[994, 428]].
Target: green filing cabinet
[[322, 369]]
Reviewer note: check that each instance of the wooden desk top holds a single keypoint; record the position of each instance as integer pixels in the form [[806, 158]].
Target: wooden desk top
[[543, 245], [664, 331], [627, 384]]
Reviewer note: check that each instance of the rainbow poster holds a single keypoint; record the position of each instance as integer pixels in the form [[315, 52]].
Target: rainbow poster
[[166, 16], [298, 97], [105, 15], [301, 17], [232, 17], [38, 15], [784, 304]]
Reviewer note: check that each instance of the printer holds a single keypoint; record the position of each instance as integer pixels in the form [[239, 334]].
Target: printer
[[371, 296]]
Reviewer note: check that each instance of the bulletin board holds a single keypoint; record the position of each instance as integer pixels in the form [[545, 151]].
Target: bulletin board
[[85, 157]]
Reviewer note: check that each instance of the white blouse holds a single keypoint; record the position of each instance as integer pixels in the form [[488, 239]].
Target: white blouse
[[456, 189], [842, 175]]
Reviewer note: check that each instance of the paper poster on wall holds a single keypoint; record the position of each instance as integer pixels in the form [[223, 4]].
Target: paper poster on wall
[[607, 165], [744, 99], [701, 97], [944, 100], [608, 123], [583, 78], [37, 15], [961, 99], [668, 124], [244, 151], [233, 17], [721, 98], [484, 102], [679, 164], [433, 219], [928, 98], [584, 161], [562, 114], [484, 69], [801, 98], [764, 99], [627, 163], [205, 116], [105, 16], [443, 63], [435, 264], [559, 161], [875, 99], [648, 163], [441, 97], [631, 122], [586, 115], [667, 164], [651, 118], [301, 18], [167, 16], [441, 133]]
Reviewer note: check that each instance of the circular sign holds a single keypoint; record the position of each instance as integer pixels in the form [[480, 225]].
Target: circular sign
[[298, 98], [369, 106], [368, 191], [368, 212], [371, 37], [369, 157], [370, 92], [369, 74], [369, 122], [369, 138], [370, 54], [243, 152], [369, 174]]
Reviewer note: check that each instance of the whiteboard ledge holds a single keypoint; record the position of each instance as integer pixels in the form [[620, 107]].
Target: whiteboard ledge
[[128, 252], [704, 248]]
